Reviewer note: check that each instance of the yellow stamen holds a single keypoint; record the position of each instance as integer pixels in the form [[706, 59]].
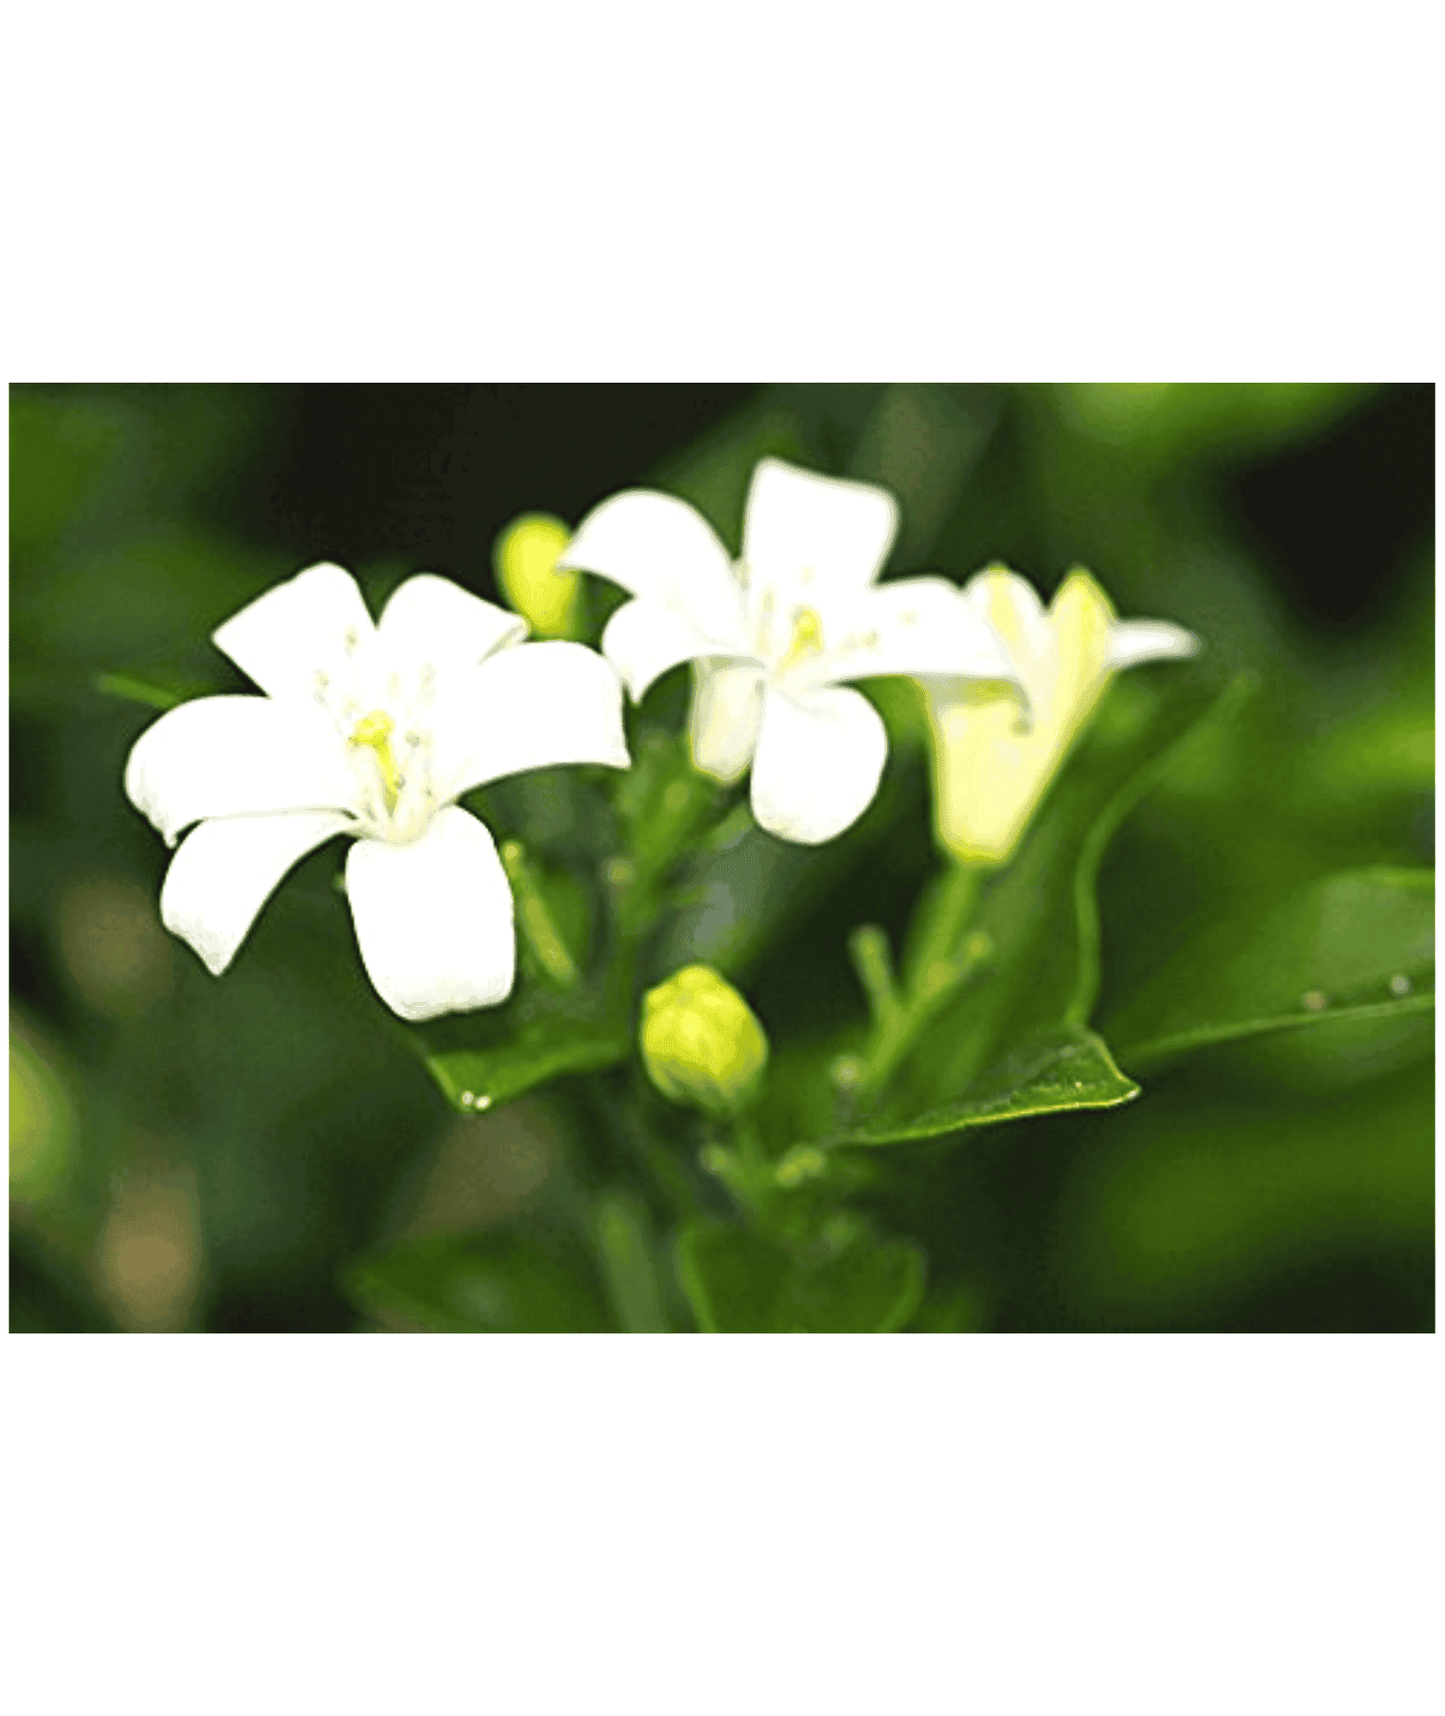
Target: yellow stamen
[[807, 637], [374, 731]]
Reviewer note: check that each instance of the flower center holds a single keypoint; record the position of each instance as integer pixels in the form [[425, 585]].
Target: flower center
[[373, 732], [807, 638]]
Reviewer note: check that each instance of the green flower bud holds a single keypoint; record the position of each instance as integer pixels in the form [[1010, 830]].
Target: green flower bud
[[701, 1043], [525, 557]]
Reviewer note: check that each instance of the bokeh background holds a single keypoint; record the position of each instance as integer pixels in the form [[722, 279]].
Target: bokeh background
[[194, 1154]]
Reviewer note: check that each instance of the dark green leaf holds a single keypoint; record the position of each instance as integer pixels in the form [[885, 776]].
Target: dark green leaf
[[499, 1284], [738, 1283], [484, 1059], [1359, 945], [1067, 1067]]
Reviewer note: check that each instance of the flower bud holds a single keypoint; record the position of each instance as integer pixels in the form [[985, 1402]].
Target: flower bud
[[525, 557], [701, 1043]]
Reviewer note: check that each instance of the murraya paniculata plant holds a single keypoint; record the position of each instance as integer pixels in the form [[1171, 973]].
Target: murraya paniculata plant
[[715, 1184]]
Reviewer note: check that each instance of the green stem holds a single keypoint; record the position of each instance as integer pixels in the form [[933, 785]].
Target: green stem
[[947, 911], [750, 1147], [620, 1122], [535, 921], [625, 1247], [744, 1169], [873, 961], [943, 961]]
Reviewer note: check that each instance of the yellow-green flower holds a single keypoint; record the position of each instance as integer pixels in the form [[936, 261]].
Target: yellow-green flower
[[701, 1043], [995, 754]]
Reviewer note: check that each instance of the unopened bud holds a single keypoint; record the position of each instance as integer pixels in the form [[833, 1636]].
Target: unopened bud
[[525, 557], [701, 1043]]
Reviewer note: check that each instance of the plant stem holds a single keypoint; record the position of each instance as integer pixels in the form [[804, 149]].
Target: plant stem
[[620, 1121], [626, 1250], [535, 921], [942, 962]]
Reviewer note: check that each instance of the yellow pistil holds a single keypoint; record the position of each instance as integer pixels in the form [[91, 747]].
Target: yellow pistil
[[807, 637], [374, 731]]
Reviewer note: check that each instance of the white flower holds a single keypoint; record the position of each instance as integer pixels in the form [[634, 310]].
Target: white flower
[[772, 635], [371, 730], [993, 759]]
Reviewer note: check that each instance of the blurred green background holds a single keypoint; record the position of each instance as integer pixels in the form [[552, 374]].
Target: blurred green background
[[197, 1154]]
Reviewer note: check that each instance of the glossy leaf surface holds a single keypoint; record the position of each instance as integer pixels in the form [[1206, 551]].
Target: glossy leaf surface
[[1358, 945], [1068, 1067]]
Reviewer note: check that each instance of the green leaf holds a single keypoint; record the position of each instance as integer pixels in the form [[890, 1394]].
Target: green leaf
[[484, 1059], [738, 1283], [500, 1284], [1063, 1068], [1359, 945], [154, 689]]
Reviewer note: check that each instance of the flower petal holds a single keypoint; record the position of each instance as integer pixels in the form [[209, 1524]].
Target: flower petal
[[989, 771], [1133, 641], [913, 626], [313, 623], [433, 620], [661, 548], [1011, 606], [643, 640], [434, 918], [722, 726], [237, 756], [1082, 619], [818, 762], [802, 531], [531, 707], [225, 871]]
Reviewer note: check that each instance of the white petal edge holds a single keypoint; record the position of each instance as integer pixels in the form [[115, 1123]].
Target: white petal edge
[[225, 871], [722, 723], [1024, 614], [914, 626], [799, 521], [313, 623], [431, 619], [643, 639], [659, 547], [237, 756], [1134, 641], [818, 762], [535, 706], [434, 918]]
